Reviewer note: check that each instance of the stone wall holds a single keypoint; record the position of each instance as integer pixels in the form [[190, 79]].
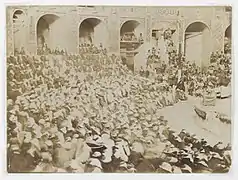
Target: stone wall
[[179, 18]]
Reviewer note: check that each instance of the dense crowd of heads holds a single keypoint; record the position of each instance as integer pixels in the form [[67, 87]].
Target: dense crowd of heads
[[89, 113]]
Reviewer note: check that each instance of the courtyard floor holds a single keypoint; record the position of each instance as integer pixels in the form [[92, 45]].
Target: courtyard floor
[[182, 116]]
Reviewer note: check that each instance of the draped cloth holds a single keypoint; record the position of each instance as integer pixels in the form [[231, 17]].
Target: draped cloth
[[140, 60], [163, 50]]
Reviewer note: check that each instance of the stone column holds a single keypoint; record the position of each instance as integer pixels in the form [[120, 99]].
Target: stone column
[[9, 32], [114, 32], [148, 28], [217, 29], [32, 39], [73, 36], [181, 36]]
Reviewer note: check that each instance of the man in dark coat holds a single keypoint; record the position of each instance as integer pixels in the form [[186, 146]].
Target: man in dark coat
[[181, 85]]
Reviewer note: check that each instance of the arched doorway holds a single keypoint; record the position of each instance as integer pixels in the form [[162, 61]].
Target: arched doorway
[[227, 40], [197, 47], [93, 31], [48, 31], [19, 36], [131, 38]]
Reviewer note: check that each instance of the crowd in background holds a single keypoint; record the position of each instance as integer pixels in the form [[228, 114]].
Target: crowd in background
[[193, 78]]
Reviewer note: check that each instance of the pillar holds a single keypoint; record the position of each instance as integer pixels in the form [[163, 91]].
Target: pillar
[[217, 29], [114, 32], [9, 33], [148, 30], [32, 38], [181, 36], [180, 39]]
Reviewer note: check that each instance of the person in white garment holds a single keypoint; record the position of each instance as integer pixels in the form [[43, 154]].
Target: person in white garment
[[162, 48], [179, 73], [140, 59]]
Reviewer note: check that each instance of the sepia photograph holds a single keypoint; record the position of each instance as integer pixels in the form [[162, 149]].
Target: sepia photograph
[[118, 89]]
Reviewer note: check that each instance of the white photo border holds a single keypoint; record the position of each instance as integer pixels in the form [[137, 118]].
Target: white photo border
[[233, 173]]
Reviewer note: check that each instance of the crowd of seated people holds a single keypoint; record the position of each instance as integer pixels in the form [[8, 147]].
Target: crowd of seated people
[[85, 48], [45, 50], [132, 37], [19, 52]]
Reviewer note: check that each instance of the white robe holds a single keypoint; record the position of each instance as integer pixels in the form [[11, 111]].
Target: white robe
[[163, 50], [179, 74], [141, 58]]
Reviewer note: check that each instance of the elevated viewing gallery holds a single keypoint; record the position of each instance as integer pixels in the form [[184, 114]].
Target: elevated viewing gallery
[[128, 28], [92, 31], [198, 43], [131, 38], [49, 29]]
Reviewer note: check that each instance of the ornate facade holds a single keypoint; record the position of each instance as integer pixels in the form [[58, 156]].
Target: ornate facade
[[215, 19]]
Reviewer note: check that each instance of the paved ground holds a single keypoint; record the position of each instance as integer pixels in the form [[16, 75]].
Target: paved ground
[[182, 116]]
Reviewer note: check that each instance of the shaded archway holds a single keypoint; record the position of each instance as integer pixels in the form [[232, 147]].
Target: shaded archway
[[130, 27], [92, 31], [130, 41], [48, 31], [197, 47], [19, 36], [227, 40]]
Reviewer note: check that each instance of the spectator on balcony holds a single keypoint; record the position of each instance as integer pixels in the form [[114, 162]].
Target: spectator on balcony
[[57, 51], [141, 40], [101, 47], [133, 37], [16, 51], [22, 51]]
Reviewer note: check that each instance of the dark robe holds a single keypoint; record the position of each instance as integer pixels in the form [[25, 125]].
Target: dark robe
[[181, 85]]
